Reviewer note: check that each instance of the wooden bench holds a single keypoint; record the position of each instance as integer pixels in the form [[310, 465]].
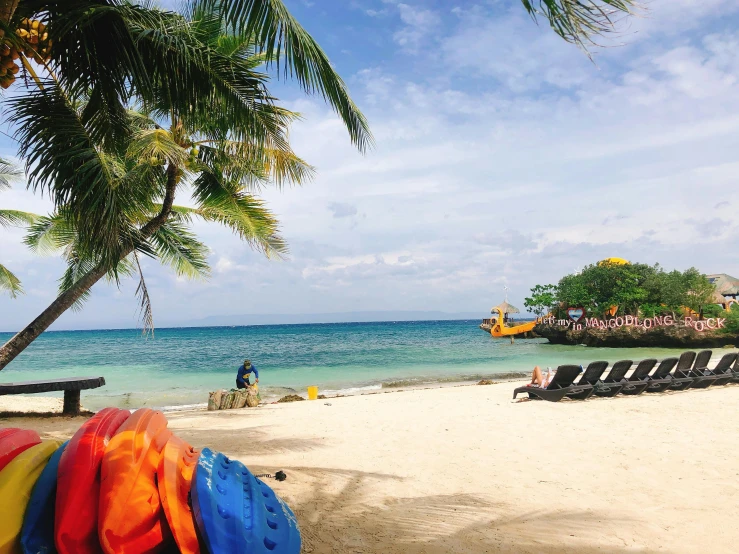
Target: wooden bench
[[71, 387]]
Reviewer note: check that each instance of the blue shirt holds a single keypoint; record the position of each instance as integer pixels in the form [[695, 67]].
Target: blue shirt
[[243, 372]]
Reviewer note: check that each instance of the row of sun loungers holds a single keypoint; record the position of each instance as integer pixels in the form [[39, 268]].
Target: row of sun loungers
[[690, 370]]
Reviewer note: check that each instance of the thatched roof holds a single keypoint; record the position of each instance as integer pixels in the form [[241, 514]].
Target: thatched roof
[[506, 308], [726, 285]]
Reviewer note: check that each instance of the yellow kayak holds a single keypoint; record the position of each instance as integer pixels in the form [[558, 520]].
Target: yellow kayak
[[16, 483]]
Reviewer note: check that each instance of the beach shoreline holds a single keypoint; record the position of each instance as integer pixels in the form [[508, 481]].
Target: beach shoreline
[[461, 469]]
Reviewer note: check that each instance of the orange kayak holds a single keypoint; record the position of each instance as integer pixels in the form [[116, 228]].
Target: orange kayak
[[176, 468], [78, 483], [14, 441], [130, 518]]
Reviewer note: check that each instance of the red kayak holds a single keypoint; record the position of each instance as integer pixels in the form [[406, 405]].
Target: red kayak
[[131, 519], [78, 483], [14, 441]]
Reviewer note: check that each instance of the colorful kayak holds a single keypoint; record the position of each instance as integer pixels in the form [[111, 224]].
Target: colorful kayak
[[14, 441], [131, 519], [78, 486], [176, 468], [37, 533], [236, 512], [16, 483]]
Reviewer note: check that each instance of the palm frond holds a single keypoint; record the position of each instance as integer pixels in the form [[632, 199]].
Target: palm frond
[[296, 54], [50, 233], [77, 267], [16, 218], [96, 188], [8, 173], [9, 282], [243, 213], [157, 145], [142, 293], [177, 247], [581, 21], [252, 165]]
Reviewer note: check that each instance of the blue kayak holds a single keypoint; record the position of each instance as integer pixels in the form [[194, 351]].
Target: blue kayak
[[236, 512], [37, 533]]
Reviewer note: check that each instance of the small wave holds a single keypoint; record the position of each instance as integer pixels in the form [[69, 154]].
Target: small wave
[[184, 407], [351, 390], [412, 382]]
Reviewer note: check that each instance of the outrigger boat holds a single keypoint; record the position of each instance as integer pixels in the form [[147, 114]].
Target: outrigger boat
[[501, 325]]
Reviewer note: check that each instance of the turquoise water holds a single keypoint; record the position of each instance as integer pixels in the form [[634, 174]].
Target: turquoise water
[[179, 366]]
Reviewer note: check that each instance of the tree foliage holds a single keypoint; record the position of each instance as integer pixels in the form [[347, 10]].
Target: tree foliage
[[630, 289], [9, 283], [542, 299]]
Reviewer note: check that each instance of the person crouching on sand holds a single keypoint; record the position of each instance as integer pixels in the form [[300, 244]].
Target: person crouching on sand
[[538, 379], [242, 377]]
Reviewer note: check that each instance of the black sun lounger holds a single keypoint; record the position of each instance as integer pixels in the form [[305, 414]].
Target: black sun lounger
[[735, 373], [638, 382], [588, 381], [681, 378], [559, 387], [701, 363], [614, 381], [661, 379], [720, 375]]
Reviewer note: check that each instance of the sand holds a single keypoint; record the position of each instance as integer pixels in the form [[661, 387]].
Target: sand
[[30, 404], [466, 470]]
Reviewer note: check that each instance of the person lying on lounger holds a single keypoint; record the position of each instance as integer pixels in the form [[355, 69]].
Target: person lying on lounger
[[539, 379]]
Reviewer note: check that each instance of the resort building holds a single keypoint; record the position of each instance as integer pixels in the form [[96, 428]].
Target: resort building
[[726, 286]]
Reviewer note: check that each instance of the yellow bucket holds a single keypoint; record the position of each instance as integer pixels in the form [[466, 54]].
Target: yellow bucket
[[312, 393]]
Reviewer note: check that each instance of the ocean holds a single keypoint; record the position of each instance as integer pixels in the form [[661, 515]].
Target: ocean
[[178, 367]]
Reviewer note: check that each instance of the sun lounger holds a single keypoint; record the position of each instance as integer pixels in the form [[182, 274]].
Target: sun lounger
[[701, 363], [720, 375], [661, 379], [681, 378], [638, 382], [560, 386], [614, 381], [735, 373], [589, 379]]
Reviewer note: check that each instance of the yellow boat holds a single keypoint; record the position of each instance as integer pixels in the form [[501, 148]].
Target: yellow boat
[[16, 483], [500, 329]]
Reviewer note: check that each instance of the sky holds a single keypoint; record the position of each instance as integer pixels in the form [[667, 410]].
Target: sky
[[504, 158]]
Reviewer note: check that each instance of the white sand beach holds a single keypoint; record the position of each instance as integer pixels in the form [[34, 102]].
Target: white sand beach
[[30, 404], [466, 470]]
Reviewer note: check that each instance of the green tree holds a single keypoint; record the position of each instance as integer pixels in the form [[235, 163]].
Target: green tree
[[699, 291], [9, 283], [543, 299]]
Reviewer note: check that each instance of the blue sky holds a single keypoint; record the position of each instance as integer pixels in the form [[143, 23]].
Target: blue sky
[[504, 157]]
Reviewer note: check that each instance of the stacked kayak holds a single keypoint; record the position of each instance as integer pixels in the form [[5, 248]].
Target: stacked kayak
[[124, 484]]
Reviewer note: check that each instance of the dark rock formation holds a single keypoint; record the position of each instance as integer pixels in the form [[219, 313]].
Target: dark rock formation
[[632, 337]]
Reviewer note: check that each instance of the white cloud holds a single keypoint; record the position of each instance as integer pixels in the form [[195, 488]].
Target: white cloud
[[419, 22]]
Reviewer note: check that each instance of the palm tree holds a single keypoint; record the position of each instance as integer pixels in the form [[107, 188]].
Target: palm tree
[[194, 73], [208, 121], [9, 218]]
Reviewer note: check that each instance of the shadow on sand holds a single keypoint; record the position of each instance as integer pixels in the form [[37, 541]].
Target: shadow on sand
[[337, 518]]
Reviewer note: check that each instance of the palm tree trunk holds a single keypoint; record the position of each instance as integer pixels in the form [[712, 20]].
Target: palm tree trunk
[[64, 301], [7, 9]]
